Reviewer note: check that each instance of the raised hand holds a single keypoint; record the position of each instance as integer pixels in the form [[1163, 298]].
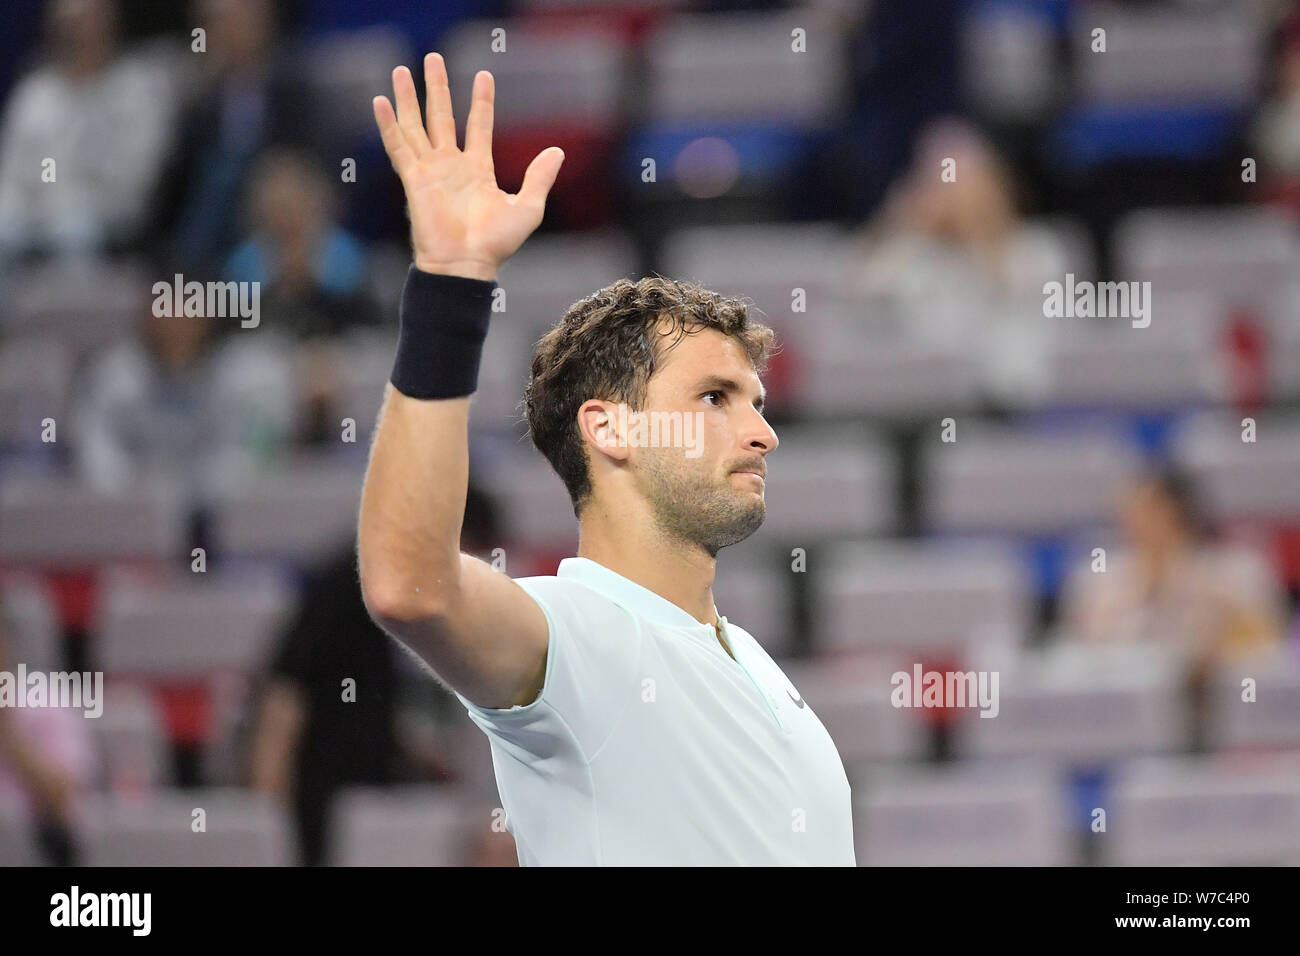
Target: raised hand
[[461, 222]]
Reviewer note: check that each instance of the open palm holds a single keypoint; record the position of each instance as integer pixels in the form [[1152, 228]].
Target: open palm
[[462, 223]]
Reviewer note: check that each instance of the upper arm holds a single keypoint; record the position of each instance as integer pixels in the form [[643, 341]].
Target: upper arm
[[487, 639]]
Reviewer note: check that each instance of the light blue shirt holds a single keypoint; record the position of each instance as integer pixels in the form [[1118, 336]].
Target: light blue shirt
[[649, 745]]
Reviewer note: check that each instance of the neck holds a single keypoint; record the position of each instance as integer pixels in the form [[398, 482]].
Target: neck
[[640, 551]]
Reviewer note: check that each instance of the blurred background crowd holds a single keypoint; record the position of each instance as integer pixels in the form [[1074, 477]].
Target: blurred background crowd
[[1107, 516]]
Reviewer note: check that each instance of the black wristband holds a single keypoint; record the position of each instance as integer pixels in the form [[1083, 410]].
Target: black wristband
[[444, 320]]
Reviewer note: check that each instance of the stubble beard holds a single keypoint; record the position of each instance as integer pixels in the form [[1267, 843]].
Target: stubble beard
[[693, 508]]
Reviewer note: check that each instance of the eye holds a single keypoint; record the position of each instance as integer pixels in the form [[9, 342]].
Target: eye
[[721, 395]]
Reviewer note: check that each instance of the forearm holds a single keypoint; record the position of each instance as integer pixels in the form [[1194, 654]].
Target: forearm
[[413, 503], [278, 733]]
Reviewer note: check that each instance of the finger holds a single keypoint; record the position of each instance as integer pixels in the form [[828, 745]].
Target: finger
[[540, 176], [408, 112], [478, 125], [399, 154], [442, 122]]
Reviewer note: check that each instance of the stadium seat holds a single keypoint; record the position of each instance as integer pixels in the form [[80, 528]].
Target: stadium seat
[[918, 596], [1272, 718], [241, 829], [1222, 811], [1167, 55], [405, 826], [743, 66], [1108, 363], [994, 815], [132, 739], [765, 263], [1019, 481], [296, 512], [546, 77], [83, 303], [190, 625], [535, 508], [32, 616], [1239, 479], [1081, 705], [551, 273], [829, 482], [1235, 255], [60, 523], [35, 377]]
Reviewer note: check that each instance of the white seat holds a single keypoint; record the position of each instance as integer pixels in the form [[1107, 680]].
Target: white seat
[[997, 815], [132, 739], [534, 506], [765, 263], [912, 596], [1233, 255], [741, 67], [242, 829], [1158, 55], [296, 512], [1082, 705], [403, 826], [1272, 719], [35, 631], [551, 273], [190, 625], [1002, 479], [1209, 812], [1173, 362], [83, 303], [829, 482], [1240, 479], [548, 77], [60, 522], [35, 377]]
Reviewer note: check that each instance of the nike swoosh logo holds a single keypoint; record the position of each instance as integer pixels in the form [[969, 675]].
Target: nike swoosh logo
[[798, 700]]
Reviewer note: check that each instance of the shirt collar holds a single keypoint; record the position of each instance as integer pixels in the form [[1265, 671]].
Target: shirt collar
[[636, 598]]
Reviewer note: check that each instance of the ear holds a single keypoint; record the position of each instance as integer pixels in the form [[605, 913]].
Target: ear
[[603, 426]]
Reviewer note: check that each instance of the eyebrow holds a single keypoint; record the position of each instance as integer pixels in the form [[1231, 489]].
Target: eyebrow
[[731, 386]]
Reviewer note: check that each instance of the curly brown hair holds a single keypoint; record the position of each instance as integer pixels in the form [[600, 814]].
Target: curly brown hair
[[608, 346]]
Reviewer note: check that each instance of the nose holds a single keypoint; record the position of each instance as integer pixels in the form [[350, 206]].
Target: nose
[[761, 437]]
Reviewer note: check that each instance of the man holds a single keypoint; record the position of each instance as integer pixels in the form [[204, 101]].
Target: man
[[630, 723]]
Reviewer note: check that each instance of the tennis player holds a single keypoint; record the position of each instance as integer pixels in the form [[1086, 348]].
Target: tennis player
[[630, 723]]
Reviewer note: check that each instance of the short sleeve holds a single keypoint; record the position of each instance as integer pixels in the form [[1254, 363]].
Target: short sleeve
[[593, 657]]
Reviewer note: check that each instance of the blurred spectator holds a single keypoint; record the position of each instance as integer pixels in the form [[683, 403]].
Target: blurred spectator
[[103, 118], [1170, 583], [311, 740], [312, 271], [1276, 132], [175, 402], [312, 275], [250, 97], [314, 736], [952, 262], [45, 760]]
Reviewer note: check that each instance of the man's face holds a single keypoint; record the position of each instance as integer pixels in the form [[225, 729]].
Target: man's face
[[707, 490]]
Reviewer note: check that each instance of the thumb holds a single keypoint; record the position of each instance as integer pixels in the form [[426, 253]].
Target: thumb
[[540, 176]]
